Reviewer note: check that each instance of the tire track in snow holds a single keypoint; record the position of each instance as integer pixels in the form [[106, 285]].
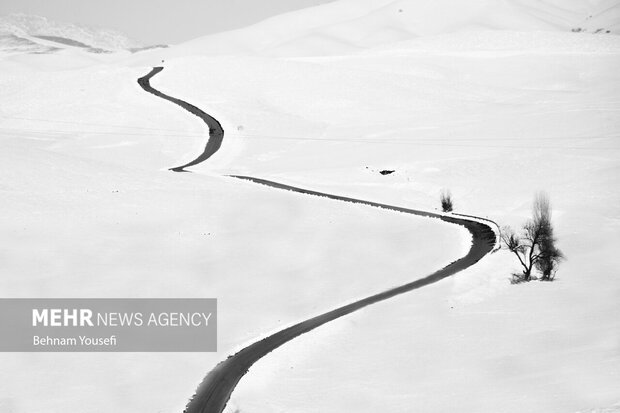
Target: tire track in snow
[[217, 386]]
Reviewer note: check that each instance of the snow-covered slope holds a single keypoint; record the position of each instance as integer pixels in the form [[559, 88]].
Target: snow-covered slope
[[350, 25], [11, 43], [89, 209], [21, 33]]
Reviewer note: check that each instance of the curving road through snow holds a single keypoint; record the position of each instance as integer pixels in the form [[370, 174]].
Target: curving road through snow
[[216, 388], [216, 132]]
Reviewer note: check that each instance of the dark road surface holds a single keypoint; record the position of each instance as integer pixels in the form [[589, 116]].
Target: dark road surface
[[217, 387], [216, 132]]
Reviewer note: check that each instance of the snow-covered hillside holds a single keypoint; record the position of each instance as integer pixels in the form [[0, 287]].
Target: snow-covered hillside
[[492, 100], [21, 33], [349, 25]]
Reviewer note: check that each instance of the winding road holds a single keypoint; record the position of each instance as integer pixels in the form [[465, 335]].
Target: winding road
[[216, 388], [216, 132]]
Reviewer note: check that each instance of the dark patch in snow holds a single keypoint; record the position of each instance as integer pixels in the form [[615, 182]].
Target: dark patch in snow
[[141, 49], [62, 40], [597, 31], [73, 43], [98, 50], [14, 44]]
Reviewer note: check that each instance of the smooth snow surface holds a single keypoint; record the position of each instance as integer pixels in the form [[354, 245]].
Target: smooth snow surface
[[492, 101], [347, 26]]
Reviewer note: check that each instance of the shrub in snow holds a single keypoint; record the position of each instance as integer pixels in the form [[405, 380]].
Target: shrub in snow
[[446, 201]]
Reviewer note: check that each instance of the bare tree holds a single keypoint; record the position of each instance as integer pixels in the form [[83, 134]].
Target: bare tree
[[535, 246], [446, 201], [550, 255]]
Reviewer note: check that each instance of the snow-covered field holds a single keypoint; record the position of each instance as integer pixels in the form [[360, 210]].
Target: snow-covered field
[[89, 209]]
